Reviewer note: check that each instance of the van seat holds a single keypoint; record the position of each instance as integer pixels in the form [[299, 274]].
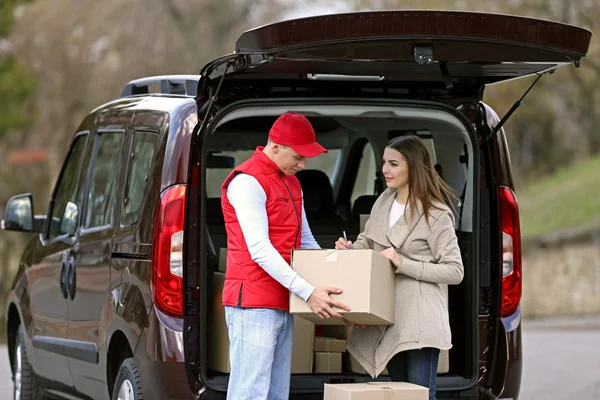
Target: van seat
[[363, 205], [318, 194]]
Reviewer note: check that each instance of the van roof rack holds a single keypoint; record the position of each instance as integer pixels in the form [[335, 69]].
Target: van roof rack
[[183, 85]]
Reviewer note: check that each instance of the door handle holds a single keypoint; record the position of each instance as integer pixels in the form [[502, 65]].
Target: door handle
[[71, 279], [63, 278]]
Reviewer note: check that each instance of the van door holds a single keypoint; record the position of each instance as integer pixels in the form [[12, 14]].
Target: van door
[[47, 275], [89, 267]]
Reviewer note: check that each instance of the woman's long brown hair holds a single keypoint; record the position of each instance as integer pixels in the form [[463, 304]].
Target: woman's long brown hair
[[424, 182]]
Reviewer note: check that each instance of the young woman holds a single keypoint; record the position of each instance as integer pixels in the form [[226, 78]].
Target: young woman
[[412, 226]]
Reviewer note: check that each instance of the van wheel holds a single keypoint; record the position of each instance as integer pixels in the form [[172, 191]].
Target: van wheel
[[24, 384], [128, 385]]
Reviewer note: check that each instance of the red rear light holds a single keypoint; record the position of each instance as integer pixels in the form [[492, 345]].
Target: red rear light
[[167, 244], [511, 252]]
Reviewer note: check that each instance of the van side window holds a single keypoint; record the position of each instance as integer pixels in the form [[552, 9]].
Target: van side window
[[103, 183], [140, 156], [366, 176], [67, 189]]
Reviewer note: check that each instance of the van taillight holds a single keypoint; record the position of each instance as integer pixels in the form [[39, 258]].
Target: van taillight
[[511, 252], [167, 245]]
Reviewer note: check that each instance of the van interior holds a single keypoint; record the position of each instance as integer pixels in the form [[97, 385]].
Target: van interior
[[339, 187]]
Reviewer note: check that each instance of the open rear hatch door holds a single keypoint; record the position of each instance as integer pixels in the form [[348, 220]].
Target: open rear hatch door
[[451, 53], [406, 54]]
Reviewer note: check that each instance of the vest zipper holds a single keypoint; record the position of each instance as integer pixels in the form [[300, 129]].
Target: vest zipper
[[295, 209]]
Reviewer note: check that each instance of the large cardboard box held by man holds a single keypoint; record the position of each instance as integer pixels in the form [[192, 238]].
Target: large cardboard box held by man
[[376, 391], [365, 276], [218, 349]]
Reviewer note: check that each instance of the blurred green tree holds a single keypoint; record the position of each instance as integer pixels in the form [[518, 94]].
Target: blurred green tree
[[17, 85]]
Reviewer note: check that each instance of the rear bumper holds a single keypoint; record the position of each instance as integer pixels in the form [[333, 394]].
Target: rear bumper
[[514, 366]]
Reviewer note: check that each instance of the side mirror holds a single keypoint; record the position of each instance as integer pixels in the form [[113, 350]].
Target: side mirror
[[68, 224], [19, 214]]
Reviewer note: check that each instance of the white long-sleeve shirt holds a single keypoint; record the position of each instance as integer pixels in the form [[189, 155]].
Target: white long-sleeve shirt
[[249, 200]]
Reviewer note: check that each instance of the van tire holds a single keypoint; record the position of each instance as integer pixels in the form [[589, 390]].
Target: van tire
[[23, 374], [128, 384]]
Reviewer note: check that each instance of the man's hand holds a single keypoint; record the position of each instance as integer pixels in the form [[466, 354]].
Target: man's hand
[[320, 302], [342, 244], [391, 254]]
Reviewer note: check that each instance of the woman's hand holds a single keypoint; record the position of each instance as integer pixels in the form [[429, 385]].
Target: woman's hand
[[341, 244], [392, 255]]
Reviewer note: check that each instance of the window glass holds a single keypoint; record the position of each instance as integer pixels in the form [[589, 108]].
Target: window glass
[[140, 163], [67, 191], [103, 184]]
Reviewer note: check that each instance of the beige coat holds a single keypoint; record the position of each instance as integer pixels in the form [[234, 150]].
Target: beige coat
[[430, 258]]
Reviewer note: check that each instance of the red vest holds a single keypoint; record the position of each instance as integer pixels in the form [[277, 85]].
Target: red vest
[[246, 283]]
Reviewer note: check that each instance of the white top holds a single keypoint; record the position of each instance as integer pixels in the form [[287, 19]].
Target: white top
[[396, 211], [249, 200]]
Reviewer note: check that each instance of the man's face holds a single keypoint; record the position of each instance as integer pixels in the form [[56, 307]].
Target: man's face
[[288, 161]]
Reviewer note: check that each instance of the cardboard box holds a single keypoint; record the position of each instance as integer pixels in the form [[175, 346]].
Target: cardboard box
[[328, 363], [302, 352], [366, 277], [218, 349], [376, 391], [329, 345]]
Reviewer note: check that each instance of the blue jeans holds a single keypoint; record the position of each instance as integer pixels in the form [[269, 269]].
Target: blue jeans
[[260, 353], [416, 366]]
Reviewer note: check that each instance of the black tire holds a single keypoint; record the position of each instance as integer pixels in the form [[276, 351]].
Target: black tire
[[128, 379], [23, 375]]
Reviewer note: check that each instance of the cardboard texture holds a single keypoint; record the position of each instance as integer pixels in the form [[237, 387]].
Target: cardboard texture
[[376, 391], [218, 350], [365, 276], [328, 362], [329, 345]]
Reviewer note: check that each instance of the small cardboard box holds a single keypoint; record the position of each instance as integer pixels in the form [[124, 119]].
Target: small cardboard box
[[218, 349], [366, 277], [376, 391], [328, 362], [329, 345], [302, 352]]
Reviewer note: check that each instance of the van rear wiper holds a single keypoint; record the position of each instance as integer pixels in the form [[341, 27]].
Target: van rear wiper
[[513, 109]]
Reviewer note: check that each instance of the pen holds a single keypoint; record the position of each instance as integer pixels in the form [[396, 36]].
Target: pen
[[345, 238]]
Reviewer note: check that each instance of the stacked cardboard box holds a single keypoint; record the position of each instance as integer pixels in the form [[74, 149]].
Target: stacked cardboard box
[[328, 354]]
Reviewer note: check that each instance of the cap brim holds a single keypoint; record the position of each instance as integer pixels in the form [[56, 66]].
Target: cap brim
[[309, 150]]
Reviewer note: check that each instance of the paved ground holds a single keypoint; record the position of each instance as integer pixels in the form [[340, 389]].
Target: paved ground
[[562, 361]]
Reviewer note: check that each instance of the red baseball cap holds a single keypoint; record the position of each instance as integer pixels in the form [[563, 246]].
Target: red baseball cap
[[294, 130]]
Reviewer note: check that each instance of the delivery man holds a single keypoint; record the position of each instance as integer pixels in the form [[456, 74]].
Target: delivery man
[[265, 219]]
